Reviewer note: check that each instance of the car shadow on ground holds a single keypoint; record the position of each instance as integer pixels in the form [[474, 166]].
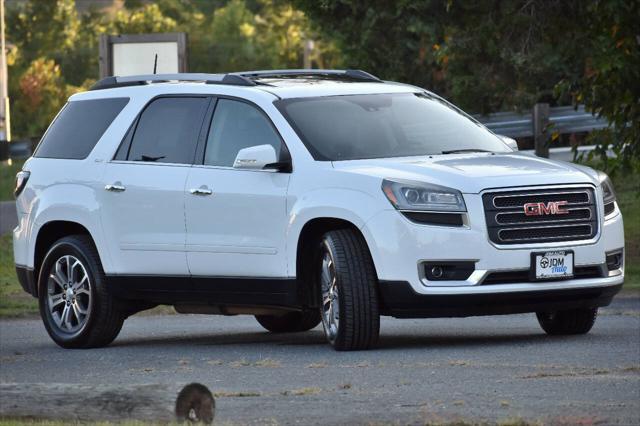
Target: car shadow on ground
[[316, 338]]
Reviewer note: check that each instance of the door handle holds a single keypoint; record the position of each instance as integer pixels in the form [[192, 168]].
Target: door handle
[[203, 190], [116, 187]]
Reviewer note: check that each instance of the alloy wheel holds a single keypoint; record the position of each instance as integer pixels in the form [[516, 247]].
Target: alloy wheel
[[330, 308], [69, 295]]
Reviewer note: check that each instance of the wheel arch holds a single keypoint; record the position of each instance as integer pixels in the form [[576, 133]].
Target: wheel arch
[[51, 232], [308, 237]]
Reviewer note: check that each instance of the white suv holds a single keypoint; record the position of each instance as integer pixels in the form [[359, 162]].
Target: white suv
[[300, 197]]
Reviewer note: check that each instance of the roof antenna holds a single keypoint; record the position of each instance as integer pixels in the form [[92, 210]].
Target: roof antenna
[[155, 64]]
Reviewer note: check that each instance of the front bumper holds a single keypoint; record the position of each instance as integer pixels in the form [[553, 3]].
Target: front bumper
[[399, 300], [400, 248], [27, 280]]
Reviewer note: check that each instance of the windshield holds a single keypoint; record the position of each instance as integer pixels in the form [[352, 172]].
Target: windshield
[[354, 127]]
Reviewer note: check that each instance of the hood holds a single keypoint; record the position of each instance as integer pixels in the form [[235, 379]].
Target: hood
[[472, 173]]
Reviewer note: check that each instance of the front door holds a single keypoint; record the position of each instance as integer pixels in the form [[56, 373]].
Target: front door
[[236, 219], [142, 208]]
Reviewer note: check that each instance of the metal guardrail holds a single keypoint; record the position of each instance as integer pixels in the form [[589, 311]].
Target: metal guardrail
[[563, 120], [15, 150], [566, 153]]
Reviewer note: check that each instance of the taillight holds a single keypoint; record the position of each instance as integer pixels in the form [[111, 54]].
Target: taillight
[[21, 181]]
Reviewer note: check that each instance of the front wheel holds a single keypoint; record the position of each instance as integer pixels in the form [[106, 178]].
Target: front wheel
[[572, 321], [75, 306], [348, 286]]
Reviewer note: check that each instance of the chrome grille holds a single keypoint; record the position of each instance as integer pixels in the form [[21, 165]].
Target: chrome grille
[[507, 222]]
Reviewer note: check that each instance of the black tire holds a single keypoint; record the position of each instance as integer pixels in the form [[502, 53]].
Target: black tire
[[103, 320], [291, 322], [355, 279], [573, 321]]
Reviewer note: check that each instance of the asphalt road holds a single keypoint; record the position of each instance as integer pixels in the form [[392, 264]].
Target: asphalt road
[[474, 369]]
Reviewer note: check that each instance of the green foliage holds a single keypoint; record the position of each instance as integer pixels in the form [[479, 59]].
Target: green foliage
[[13, 299], [391, 39], [627, 186], [245, 35], [45, 35], [147, 19], [491, 56], [230, 38], [56, 49], [43, 93], [485, 55], [8, 178], [610, 83]]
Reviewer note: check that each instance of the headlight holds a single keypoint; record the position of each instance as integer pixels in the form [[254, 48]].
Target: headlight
[[410, 195], [608, 193]]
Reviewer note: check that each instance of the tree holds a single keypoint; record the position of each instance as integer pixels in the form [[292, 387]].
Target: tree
[[55, 49], [485, 55], [43, 92], [610, 82], [488, 55], [56, 55], [45, 36]]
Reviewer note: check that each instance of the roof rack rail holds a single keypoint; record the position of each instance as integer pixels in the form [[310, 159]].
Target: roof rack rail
[[136, 80], [351, 74], [244, 78]]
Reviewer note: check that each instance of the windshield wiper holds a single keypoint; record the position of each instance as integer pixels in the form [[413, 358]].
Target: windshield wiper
[[459, 151]]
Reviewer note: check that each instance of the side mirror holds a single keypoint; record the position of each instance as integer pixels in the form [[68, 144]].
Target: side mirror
[[510, 142], [255, 157]]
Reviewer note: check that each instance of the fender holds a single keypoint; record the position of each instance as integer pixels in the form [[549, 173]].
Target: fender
[[80, 206], [351, 205]]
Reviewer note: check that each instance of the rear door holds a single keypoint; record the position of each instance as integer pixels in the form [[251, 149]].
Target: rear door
[[142, 209]]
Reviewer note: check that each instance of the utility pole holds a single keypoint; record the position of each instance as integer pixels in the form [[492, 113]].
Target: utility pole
[[5, 120], [541, 129]]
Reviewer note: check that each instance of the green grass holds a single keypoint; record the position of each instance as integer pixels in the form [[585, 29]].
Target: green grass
[[628, 194], [33, 422], [39, 422], [8, 178], [14, 302]]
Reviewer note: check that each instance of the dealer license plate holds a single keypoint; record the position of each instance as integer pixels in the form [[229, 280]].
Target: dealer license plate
[[552, 265]]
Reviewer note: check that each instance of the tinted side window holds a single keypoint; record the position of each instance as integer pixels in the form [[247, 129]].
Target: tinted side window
[[167, 131], [237, 125], [123, 149], [78, 127]]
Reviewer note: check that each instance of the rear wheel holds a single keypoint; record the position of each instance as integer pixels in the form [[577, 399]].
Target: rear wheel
[[348, 286], [573, 321], [75, 306], [290, 322]]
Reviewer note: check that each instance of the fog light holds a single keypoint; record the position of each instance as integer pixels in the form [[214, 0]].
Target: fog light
[[437, 271], [614, 260], [448, 270]]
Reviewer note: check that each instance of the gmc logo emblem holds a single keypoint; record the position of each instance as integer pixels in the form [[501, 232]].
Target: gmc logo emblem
[[541, 209]]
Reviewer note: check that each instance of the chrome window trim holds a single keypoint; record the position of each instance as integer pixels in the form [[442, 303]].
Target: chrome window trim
[[148, 163]]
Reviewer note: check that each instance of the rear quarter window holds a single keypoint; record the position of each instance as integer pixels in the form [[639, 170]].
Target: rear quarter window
[[78, 127]]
